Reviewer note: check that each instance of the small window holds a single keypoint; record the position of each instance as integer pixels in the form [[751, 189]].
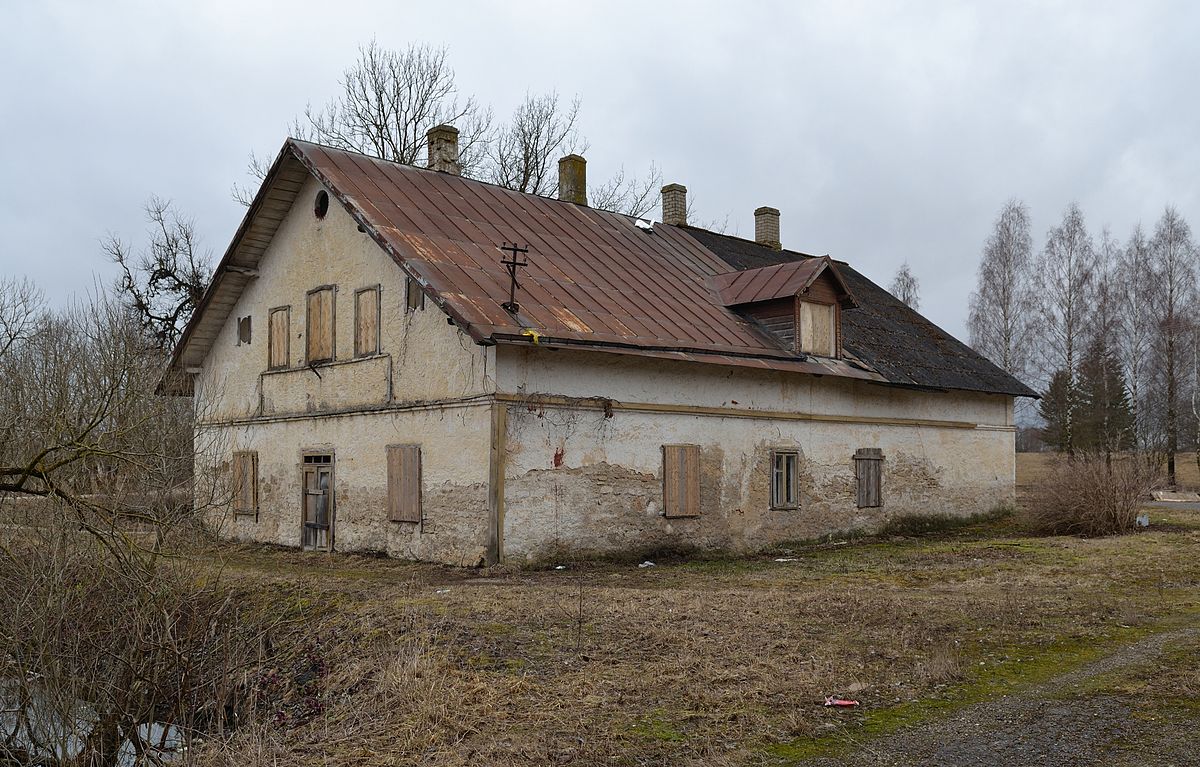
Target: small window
[[404, 483], [785, 476], [817, 325], [868, 470], [318, 458], [366, 322], [681, 480], [321, 204], [243, 331], [319, 331], [279, 332], [245, 482], [414, 298]]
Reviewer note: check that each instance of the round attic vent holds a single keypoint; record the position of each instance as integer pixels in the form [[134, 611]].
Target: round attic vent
[[321, 204]]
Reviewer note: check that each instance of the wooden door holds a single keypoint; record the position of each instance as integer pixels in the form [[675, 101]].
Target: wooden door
[[317, 532]]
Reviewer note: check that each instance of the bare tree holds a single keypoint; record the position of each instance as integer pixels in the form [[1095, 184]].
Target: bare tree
[[631, 195], [20, 311], [163, 283], [1003, 306], [523, 154], [1173, 262], [389, 99], [1134, 300], [110, 641], [905, 287], [1065, 275]]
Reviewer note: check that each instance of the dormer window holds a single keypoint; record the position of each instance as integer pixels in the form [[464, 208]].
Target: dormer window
[[799, 303], [818, 324]]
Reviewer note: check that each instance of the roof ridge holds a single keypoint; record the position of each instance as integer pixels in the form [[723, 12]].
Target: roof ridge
[[373, 158]]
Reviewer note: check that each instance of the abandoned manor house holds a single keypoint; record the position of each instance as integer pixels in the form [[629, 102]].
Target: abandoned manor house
[[403, 360]]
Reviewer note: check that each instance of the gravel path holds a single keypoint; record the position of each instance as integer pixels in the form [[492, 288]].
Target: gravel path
[[1039, 727]]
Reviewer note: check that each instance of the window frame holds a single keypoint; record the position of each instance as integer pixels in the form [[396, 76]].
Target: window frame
[[308, 360], [407, 455], [287, 338], [377, 288], [776, 502]]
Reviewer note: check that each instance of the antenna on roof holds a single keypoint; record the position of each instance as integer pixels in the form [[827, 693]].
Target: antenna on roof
[[512, 265]]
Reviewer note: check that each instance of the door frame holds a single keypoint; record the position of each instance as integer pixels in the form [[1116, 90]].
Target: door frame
[[304, 467]]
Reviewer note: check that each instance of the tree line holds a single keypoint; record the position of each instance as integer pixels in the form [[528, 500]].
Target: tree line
[[1104, 329]]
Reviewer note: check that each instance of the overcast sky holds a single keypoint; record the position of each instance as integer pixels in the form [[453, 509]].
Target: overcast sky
[[884, 132]]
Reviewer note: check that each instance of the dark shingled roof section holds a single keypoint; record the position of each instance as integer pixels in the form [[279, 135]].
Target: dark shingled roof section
[[882, 331]]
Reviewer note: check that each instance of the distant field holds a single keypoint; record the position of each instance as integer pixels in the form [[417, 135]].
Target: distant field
[[1032, 467]]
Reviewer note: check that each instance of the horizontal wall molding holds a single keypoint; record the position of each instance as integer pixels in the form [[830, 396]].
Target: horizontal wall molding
[[599, 403], [479, 400]]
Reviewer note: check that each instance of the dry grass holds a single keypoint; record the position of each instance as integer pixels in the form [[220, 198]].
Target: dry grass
[[720, 662]]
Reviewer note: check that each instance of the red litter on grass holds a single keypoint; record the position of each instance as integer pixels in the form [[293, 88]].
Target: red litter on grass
[[840, 702]]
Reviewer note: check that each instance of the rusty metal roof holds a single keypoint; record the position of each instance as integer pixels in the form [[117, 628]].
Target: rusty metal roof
[[781, 280], [595, 279]]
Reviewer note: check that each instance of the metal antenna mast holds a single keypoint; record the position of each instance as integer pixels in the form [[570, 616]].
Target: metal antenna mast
[[512, 265]]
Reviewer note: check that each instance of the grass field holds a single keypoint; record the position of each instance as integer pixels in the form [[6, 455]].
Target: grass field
[[713, 662]]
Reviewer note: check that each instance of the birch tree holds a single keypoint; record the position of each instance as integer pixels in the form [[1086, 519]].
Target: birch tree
[[1173, 262], [1134, 300], [906, 287], [1002, 307], [1065, 275]]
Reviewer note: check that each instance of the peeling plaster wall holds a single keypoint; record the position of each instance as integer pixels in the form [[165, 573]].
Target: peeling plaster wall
[[425, 357], [411, 392], [579, 480], [454, 467]]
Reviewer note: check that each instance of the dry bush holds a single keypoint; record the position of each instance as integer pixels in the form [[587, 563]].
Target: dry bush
[[1089, 495]]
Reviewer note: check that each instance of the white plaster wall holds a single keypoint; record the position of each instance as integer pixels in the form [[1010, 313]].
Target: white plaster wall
[[455, 447], [577, 480], [426, 358], [541, 370]]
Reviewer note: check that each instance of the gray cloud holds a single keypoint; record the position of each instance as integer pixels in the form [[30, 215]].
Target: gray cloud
[[884, 132]]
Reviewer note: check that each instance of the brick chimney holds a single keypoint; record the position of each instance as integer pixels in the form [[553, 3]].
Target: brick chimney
[[674, 204], [572, 179], [443, 149], [766, 228]]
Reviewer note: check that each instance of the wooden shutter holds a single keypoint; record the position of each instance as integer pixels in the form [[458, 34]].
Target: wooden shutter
[[404, 483], [868, 466], [319, 330], [366, 322], [681, 480], [245, 482], [817, 332], [414, 297], [279, 333]]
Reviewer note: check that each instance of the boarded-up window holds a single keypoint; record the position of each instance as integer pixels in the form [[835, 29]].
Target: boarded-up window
[[785, 474], [366, 322], [404, 483], [681, 480], [868, 468], [818, 329], [414, 297], [245, 482], [243, 330], [279, 336], [319, 326]]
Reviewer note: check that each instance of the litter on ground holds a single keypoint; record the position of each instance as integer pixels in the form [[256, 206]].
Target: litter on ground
[[840, 702]]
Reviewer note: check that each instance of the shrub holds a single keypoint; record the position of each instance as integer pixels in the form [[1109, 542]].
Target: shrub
[[1089, 495]]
